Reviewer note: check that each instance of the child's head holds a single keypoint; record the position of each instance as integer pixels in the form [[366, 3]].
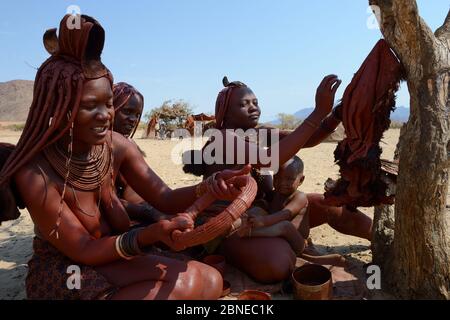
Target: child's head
[[236, 107], [128, 105], [289, 177]]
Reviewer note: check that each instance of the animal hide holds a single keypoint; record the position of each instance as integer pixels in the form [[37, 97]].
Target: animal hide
[[367, 103]]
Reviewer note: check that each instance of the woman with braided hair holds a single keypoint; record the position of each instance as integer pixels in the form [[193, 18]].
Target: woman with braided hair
[[128, 106], [237, 108], [63, 170]]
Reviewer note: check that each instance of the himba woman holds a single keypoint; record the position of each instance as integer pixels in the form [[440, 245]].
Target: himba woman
[[63, 169], [269, 260], [128, 107]]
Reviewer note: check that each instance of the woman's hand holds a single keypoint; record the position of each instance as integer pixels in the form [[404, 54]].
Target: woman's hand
[[221, 188], [325, 95], [181, 222]]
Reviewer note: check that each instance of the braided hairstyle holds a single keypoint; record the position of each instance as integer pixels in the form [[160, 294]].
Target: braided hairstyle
[[222, 105], [123, 92], [223, 99], [75, 58]]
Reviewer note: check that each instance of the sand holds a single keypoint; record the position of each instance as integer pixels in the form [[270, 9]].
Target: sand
[[16, 236]]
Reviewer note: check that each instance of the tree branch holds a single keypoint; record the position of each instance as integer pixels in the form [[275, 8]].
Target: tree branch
[[443, 32], [407, 33]]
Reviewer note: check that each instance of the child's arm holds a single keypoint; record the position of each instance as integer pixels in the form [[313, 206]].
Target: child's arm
[[289, 212]]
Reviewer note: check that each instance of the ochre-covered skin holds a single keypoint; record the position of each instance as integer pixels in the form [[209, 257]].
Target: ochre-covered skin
[[73, 106], [367, 103]]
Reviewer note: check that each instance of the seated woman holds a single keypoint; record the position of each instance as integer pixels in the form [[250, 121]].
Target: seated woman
[[237, 108], [128, 106], [63, 169]]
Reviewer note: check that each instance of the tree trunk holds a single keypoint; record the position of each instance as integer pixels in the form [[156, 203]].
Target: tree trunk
[[383, 238], [421, 245], [421, 249]]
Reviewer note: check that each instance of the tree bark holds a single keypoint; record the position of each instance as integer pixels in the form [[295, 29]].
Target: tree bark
[[383, 237], [421, 247]]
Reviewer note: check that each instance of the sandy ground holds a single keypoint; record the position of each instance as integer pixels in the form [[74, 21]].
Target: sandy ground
[[16, 236]]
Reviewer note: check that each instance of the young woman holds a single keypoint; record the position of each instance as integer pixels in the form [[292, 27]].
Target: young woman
[[272, 259], [128, 106]]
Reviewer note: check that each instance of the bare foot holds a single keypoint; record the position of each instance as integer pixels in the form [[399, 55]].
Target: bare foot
[[328, 259], [310, 250]]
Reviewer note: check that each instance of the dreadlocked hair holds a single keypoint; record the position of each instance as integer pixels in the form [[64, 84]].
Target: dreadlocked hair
[[122, 93], [9, 200], [223, 99], [190, 165], [56, 100]]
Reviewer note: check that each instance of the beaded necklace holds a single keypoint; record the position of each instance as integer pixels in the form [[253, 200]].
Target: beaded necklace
[[83, 174]]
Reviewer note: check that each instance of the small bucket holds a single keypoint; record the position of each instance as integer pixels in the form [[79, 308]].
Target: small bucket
[[312, 282]]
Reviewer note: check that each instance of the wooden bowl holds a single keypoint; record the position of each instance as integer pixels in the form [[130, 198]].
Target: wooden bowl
[[254, 295]]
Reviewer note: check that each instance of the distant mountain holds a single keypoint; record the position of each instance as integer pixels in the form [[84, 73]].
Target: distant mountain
[[303, 113], [15, 100], [400, 114]]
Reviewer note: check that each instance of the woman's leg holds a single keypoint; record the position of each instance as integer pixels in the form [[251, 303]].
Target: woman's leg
[[267, 260], [351, 222], [156, 277]]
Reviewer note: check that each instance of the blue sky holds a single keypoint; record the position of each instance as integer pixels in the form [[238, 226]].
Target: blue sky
[[176, 49]]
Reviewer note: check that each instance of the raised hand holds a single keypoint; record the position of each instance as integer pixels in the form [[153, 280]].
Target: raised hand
[[325, 95]]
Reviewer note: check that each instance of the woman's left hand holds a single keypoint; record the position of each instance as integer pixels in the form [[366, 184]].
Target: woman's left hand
[[222, 188]]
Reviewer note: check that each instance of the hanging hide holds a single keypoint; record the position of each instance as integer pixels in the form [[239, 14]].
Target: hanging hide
[[367, 103]]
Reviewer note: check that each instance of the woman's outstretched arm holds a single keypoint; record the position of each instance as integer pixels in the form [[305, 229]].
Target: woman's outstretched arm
[[42, 200], [287, 147], [152, 189]]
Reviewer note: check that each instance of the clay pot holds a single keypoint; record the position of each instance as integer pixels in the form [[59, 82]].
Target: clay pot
[[312, 282], [254, 295], [216, 261]]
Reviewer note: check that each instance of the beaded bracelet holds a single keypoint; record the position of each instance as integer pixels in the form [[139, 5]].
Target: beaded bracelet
[[127, 245], [202, 187], [119, 249]]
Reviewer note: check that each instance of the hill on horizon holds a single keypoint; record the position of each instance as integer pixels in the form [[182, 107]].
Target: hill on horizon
[[400, 114], [15, 100]]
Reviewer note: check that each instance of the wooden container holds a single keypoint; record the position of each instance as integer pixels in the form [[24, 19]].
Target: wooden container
[[312, 282], [254, 295]]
